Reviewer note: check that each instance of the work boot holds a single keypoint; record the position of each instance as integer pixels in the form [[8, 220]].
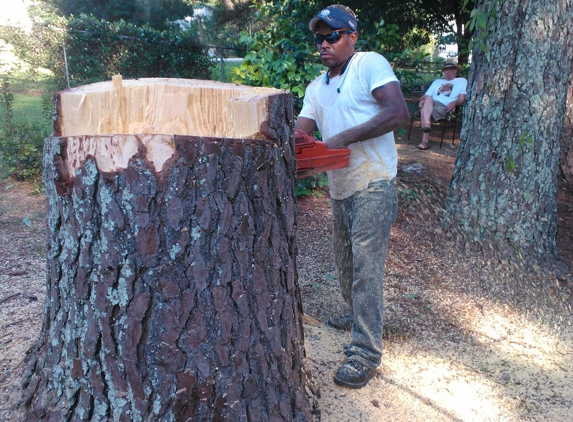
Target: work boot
[[353, 374], [340, 322]]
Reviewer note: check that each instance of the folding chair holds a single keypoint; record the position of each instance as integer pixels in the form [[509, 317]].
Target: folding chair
[[450, 117]]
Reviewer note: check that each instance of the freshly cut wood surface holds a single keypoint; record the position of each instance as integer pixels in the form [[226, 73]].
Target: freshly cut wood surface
[[112, 152], [164, 106]]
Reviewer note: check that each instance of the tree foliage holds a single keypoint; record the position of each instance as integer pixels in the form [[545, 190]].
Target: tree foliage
[[283, 53], [97, 49], [156, 13], [418, 19], [20, 141]]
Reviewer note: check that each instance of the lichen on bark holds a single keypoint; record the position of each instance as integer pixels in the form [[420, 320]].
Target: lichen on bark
[[503, 190]]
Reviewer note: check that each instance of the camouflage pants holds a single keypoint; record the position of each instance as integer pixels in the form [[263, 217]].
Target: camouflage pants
[[361, 228]]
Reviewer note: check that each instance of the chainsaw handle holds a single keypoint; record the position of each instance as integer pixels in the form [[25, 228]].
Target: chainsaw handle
[[303, 139]]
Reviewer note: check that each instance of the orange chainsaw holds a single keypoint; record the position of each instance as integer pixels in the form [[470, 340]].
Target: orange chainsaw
[[312, 156]]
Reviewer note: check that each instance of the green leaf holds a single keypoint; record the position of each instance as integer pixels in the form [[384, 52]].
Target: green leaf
[[525, 138], [298, 91], [510, 164], [482, 21]]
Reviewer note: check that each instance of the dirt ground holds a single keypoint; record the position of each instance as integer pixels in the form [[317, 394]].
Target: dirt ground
[[467, 338]]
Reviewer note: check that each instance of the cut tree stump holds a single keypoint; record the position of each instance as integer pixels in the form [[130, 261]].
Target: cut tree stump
[[172, 289]]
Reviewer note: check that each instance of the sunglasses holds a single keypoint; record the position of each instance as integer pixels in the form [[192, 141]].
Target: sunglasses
[[331, 38]]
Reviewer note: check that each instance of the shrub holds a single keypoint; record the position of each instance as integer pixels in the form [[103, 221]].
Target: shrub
[[282, 54], [97, 50], [20, 142], [311, 185]]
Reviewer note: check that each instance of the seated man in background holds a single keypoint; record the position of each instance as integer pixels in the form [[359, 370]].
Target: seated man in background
[[441, 98]]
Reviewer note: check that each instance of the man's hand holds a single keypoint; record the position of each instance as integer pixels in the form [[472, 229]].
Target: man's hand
[[451, 107], [306, 125]]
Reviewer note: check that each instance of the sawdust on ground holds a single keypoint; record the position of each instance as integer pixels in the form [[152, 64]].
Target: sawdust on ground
[[458, 347]]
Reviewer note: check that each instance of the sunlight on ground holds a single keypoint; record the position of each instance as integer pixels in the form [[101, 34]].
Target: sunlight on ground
[[527, 341], [447, 385], [506, 368], [8, 61], [14, 12]]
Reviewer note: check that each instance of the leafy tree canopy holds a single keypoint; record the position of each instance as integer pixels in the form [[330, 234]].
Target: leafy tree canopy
[[283, 54], [157, 13], [414, 21], [417, 19]]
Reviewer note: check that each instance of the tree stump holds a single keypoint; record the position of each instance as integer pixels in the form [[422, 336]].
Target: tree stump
[[171, 280]]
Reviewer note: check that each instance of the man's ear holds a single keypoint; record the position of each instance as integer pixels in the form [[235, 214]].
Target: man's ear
[[353, 38]]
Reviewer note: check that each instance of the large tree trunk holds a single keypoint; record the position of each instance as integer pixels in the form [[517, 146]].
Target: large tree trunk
[[172, 289], [567, 142], [503, 191]]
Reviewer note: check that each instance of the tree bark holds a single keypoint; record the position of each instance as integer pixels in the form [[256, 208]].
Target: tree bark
[[567, 142], [503, 191], [172, 290]]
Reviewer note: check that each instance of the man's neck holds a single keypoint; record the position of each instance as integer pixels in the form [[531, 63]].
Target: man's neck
[[340, 69]]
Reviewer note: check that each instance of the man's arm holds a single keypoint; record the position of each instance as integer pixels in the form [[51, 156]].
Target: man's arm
[[459, 101], [460, 86], [393, 114], [305, 124]]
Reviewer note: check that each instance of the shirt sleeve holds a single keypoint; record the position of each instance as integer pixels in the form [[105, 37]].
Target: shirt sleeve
[[377, 71], [463, 86], [308, 110]]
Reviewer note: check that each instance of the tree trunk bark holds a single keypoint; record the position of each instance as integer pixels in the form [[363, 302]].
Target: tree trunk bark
[[172, 290], [503, 191], [567, 142]]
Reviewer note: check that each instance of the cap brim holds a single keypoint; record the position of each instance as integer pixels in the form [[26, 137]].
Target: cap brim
[[312, 24], [333, 23]]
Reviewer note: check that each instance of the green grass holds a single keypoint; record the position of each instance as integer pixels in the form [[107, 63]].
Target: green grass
[[216, 71], [29, 108], [23, 135], [26, 82], [27, 88]]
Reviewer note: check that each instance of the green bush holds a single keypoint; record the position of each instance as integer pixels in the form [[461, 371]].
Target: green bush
[[21, 141], [311, 185], [96, 50], [282, 54]]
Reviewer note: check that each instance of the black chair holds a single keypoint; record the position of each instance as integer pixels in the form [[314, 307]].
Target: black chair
[[450, 117]]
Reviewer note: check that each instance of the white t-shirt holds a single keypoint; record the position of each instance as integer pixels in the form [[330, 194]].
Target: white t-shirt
[[334, 112], [447, 91]]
